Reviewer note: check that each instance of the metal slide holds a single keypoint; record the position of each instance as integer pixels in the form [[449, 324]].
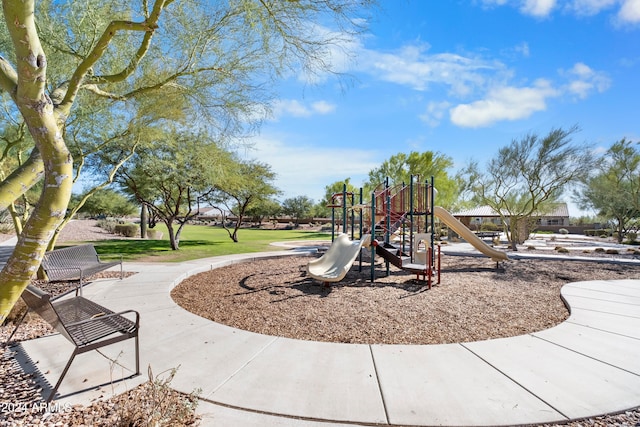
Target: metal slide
[[334, 265], [468, 235]]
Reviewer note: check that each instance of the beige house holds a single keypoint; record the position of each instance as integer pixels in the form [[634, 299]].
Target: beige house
[[474, 218]]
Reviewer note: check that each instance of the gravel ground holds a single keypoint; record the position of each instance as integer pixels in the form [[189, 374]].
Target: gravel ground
[[474, 301]]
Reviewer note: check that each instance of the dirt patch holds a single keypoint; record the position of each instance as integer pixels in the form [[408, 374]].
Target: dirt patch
[[474, 301]]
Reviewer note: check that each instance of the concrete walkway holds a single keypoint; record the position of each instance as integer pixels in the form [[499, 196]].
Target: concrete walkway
[[587, 366]]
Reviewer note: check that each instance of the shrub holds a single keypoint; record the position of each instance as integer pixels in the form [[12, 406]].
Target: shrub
[[488, 226], [599, 250], [157, 404], [127, 230], [612, 251], [632, 237], [562, 250], [563, 231], [6, 228], [108, 225], [531, 248]]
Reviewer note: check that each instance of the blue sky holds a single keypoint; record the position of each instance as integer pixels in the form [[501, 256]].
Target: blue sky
[[460, 77]]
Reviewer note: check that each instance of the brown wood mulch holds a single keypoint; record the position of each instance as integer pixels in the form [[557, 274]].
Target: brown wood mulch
[[475, 301]]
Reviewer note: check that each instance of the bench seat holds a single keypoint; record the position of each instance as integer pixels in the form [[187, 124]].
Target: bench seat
[[85, 324]]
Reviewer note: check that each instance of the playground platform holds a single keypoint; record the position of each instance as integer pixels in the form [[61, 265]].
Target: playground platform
[[586, 366]]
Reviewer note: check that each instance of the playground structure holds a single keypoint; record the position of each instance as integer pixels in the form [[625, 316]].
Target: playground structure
[[401, 231]]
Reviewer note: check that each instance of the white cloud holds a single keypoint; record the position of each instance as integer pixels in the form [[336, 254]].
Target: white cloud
[[323, 107], [584, 80], [434, 113], [504, 103], [412, 66], [629, 12], [523, 48], [304, 170], [590, 7], [294, 108], [537, 8]]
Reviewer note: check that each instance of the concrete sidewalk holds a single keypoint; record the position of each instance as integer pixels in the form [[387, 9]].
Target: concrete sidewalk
[[587, 366]]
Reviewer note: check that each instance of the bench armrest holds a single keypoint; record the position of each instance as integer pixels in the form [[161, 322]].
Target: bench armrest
[[116, 257]]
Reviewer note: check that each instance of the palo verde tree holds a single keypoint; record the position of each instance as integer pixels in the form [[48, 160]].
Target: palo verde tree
[[221, 56], [527, 177], [614, 190], [400, 167]]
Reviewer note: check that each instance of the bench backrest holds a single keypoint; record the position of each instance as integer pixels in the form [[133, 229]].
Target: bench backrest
[[60, 258], [40, 302]]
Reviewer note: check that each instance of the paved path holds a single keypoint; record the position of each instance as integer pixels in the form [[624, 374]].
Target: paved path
[[588, 365]]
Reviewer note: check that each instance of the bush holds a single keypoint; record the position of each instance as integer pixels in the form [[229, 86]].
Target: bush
[[531, 248], [489, 226], [612, 251], [127, 230], [6, 228], [108, 225], [155, 403], [599, 250], [562, 250], [632, 237], [563, 231]]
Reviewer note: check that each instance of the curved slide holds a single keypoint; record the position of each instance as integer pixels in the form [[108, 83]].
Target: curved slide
[[334, 265], [468, 235]]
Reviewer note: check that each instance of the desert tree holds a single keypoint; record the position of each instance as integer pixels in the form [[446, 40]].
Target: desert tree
[[174, 180], [244, 186], [268, 208], [222, 56], [104, 203], [298, 207], [526, 178], [422, 166], [614, 189]]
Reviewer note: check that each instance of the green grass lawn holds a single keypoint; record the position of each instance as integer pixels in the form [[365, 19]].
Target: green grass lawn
[[200, 241]]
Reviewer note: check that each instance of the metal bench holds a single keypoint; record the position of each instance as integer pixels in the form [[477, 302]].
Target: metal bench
[[75, 263], [82, 322]]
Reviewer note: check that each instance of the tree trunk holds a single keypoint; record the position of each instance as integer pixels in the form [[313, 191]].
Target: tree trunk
[[620, 227], [38, 231], [174, 240], [144, 217], [46, 129]]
